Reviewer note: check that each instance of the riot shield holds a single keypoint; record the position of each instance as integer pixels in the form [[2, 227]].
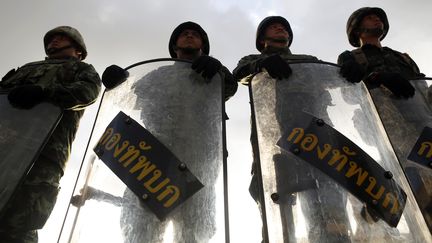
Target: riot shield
[[404, 121], [184, 113], [300, 202], [22, 137]]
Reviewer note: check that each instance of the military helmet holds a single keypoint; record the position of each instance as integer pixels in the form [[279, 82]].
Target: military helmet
[[70, 32], [355, 20], [192, 26], [267, 22]]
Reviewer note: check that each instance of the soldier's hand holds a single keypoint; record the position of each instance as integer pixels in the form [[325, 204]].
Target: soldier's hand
[[352, 71], [276, 67], [113, 76], [207, 66], [26, 96], [397, 84]]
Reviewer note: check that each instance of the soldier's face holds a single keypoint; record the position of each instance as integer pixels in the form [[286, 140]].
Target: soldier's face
[[189, 39], [276, 31], [58, 42], [371, 21], [275, 35]]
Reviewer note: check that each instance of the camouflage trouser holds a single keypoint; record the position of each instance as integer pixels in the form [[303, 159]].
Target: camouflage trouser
[[32, 203]]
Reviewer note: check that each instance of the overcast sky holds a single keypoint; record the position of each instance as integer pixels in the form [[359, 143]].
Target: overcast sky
[[127, 31]]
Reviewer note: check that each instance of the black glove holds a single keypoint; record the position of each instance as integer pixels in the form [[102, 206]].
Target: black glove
[[209, 66], [352, 71], [113, 76], [275, 66], [397, 84], [26, 96]]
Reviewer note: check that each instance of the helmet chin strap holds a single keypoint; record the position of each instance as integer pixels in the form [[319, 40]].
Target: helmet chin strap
[[52, 51], [188, 51], [372, 31]]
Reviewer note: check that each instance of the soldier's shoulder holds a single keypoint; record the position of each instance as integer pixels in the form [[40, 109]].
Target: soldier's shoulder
[[346, 55], [393, 51], [404, 55], [301, 57], [82, 64], [35, 63], [251, 57], [349, 52], [52, 62]]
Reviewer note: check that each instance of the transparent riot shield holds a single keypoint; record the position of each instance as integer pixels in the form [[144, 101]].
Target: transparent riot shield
[[404, 120], [23, 133], [300, 202], [184, 112]]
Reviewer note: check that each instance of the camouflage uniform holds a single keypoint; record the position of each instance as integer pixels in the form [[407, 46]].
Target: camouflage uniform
[[72, 85]]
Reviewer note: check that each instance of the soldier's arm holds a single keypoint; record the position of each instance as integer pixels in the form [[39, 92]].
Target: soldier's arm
[[246, 69], [79, 93], [229, 82]]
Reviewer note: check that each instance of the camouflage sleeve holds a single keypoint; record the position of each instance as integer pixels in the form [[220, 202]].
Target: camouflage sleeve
[[229, 82], [246, 68], [78, 94]]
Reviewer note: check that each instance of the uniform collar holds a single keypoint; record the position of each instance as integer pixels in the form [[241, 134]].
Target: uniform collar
[[274, 50]]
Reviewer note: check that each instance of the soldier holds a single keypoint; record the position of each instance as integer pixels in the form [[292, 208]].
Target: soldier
[[196, 221], [64, 80], [384, 69], [371, 62], [273, 39]]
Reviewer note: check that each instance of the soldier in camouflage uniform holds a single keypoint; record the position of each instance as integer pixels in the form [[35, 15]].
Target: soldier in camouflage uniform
[[371, 62], [273, 39], [64, 80], [387, 72], [190, 42]]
